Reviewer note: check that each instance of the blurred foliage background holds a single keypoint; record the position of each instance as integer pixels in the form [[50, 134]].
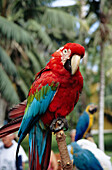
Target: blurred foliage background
[[30, 31]]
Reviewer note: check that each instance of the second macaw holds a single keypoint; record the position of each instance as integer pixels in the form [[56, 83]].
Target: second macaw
[[85, 121], [53, 94], [83, 159]]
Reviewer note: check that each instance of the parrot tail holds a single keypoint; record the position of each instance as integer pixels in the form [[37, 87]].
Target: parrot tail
[[17, 150], [11, 127], [39, 148], [17, 110]]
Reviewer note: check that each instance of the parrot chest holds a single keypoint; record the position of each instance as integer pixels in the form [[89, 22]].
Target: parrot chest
[[90, 121], [64, 101], [61, 105], [65, 98], [90, 124]]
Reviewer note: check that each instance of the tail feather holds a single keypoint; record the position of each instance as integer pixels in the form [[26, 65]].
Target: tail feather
[[17, 150], [47, 152], [11, 127], [40, 148], [17, 110]]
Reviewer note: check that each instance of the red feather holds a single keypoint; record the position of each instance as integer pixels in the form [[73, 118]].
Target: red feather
[[67, 95], [15, 113], [17, 110], [11, 127], [47, 152]]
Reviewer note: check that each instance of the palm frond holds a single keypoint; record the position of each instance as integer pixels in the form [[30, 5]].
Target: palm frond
[[26, 75], [23, 86], [7, 89], [108, 98], [58, 18], [40, 32], [12, 31], [7, 63], [40, 57], [18, 4], [35, 63], [108, 102]]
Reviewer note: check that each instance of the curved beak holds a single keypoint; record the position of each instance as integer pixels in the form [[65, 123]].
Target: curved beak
[[75, 61]]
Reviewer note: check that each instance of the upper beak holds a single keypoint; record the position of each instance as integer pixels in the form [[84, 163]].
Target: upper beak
[[75, 61], [93, 107]]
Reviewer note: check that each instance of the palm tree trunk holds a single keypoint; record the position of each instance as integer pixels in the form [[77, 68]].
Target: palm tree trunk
[[102, 77], [101, 99]]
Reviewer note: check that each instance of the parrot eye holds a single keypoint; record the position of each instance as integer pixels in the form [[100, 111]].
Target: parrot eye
[[64, 51]]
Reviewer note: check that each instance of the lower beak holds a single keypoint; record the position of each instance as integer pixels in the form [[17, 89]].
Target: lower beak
[[75, 61]]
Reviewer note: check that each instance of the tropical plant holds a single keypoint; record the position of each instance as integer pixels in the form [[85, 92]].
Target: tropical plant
[[99, 40], [30, 30]]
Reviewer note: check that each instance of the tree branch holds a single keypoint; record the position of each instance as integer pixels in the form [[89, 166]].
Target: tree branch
[[66, 163]]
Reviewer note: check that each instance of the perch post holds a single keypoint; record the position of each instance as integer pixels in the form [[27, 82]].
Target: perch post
[[66, 163]]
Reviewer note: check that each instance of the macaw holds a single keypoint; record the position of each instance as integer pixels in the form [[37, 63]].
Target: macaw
[[83, 159], [104, 159], [85, 122], [53, 94]]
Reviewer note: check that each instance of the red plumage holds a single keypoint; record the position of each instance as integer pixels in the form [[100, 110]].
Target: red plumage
[[18, 110], [70, 86], [65, 98], [70, 83]]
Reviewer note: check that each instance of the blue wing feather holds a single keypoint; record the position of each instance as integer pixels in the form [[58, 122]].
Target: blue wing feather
[[84, 159], [82, 126], [36, 106]]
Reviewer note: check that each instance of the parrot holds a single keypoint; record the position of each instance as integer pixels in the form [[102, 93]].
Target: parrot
[[104, 159], [83, 159], [85, 121], [53, 94]]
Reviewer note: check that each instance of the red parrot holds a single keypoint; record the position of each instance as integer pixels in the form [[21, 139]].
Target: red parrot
[[53, 94]]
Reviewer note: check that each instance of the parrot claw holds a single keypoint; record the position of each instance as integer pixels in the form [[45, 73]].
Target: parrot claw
[[59, 124]]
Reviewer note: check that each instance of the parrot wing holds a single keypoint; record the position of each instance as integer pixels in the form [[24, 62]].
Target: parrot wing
[[82, 126], [11, 127], [16, 113], [37, 105], [17, 110], [93, 162], [39, 136], [84, 159], [80, 161]]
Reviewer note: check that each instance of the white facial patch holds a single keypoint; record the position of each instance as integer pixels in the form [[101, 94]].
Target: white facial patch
[[65, 55], [60, 49]]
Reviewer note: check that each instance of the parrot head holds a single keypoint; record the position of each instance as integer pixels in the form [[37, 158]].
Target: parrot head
[[91, 108], [68, 57]]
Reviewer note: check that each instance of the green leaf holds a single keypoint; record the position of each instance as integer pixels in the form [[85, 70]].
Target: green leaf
[[7, 63], [7, 89], [23, 87], [34, 60], [26, 75], [12, 31], [58, 18], [41, 33]]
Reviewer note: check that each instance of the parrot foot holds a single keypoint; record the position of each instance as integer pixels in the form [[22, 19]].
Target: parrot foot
[[59, 124]]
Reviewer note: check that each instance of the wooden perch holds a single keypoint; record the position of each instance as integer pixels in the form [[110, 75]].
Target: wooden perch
[[66, 163]]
